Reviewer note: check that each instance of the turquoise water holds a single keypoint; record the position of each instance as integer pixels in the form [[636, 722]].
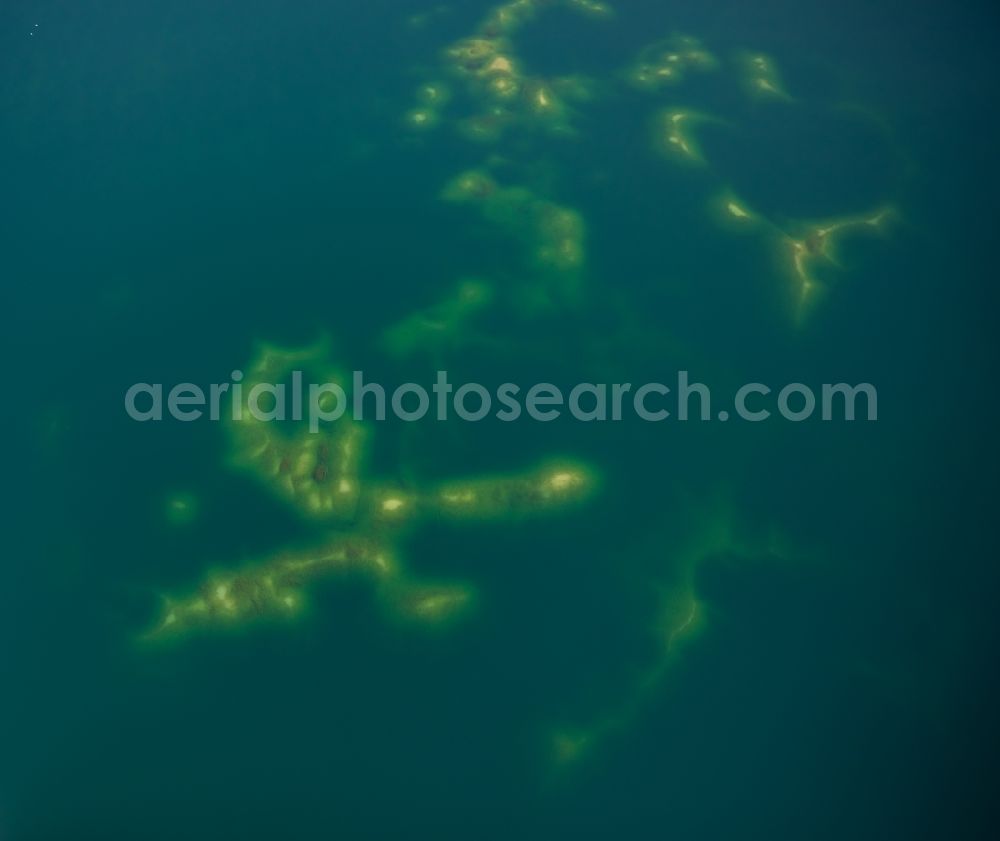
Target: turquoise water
[[182, 182]]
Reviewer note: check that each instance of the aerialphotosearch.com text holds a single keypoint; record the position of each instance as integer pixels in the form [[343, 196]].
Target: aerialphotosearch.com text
[[322, 403]]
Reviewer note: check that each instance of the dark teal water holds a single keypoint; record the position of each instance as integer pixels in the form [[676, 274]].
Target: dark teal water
[[181, 180]]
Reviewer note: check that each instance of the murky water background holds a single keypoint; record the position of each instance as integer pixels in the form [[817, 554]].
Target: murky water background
[[183, 181]]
